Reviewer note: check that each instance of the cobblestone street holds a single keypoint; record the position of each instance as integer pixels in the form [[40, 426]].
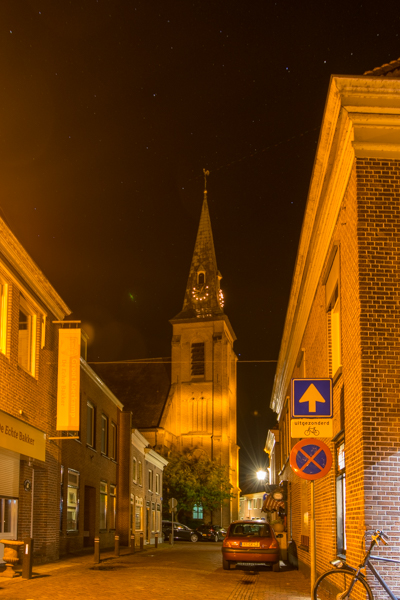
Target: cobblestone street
[[185, 571]]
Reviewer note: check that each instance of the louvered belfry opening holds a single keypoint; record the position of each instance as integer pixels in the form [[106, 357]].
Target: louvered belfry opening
[[198, 358]]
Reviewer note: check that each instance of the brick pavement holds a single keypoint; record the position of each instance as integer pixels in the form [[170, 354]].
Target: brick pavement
[[184, 571]]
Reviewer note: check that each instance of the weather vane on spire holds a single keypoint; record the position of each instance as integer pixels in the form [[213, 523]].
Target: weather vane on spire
[[206, 174]]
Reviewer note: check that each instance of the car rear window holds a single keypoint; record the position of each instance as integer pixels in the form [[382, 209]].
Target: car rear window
[[245, 529]]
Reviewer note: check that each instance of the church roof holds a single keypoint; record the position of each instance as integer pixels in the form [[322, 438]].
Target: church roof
[[202, 299], [142, 386], [391, 69]]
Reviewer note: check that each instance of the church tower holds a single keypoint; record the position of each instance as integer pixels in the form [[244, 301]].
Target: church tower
[[202, 414]]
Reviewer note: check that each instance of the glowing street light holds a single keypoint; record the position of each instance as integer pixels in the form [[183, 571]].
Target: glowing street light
[[261, 475]]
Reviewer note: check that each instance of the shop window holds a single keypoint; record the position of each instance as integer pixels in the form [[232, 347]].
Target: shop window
[[113, 506], [198, 359], [26, 337], [113, 441], [197, 511], [90, 423], [134, 470], [104, 431], [139, 514], [340, 499], [73, 500], [103, 505], [3, 317], [140, 473]]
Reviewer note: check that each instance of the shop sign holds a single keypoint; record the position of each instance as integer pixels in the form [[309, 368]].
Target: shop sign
[[69, 349], [19, 437]]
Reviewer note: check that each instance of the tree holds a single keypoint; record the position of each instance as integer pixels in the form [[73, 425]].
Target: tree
[[195, 479]]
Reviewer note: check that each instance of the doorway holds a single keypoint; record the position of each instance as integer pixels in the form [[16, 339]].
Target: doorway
[[8, 521], [89, 516]]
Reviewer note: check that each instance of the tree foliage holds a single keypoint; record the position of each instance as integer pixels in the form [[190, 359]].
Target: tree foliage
[[195, 479]]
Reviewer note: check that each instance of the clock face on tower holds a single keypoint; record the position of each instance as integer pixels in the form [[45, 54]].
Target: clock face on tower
[[200, 293]]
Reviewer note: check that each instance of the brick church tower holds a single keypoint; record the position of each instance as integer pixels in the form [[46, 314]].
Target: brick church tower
[[203, 371]]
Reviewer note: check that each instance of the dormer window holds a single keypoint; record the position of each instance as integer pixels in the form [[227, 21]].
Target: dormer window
[[201, 278]]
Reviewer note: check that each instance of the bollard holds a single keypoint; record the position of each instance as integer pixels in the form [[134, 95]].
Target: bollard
[[116, 551], [96, 550], [156, 540], [132, 548], [141, 540], [27, 560]]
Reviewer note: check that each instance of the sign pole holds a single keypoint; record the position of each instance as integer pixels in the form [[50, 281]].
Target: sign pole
[[313, 540]]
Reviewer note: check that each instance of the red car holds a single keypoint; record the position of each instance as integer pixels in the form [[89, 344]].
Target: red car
[[251, 543]]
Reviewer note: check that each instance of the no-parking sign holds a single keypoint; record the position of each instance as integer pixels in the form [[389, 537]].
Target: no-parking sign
[[310, 459]]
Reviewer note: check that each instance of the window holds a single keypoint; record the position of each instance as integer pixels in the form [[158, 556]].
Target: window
[[153, 516], [139, 514], [340, 499], [62, 498], [197, 511], [104, 431], [150, 480], [26, 337], [201, 278], [113, 441], [198, 358], [113, 506], [90, 424], [332, 295], [73, 500], [157, 483], [103, 505], [158, 524], [134, 470], [3, 317], [140, 473]]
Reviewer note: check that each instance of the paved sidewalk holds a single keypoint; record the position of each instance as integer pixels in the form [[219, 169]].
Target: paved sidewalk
[[184, 571]]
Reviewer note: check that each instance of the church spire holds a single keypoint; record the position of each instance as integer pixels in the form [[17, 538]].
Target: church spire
[[203, 296]]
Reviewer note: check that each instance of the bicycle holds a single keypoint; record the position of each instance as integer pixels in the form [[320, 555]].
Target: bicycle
[[311, 430], [347, 583]]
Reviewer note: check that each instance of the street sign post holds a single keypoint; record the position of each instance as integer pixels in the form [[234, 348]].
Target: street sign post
[[172, 503], [311, 460], [311, 408]]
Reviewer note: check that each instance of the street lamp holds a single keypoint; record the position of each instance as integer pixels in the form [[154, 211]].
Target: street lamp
[[261, 475]]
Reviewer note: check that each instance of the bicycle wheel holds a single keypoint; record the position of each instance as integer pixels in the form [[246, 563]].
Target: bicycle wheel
[[334, 585]]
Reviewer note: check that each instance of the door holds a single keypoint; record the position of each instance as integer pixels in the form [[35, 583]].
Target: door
[[8, 521], [89, 516]]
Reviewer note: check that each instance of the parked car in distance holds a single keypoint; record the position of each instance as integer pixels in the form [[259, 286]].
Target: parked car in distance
[[181, 532], [211, 533], [251, 543]]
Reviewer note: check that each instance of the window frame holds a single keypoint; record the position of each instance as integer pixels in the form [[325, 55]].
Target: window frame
[[73, 506], [90, 405], [134, 469], [157, 483], [29, 362], [103, 505], [150, 480], [198, 359], [104, 435], [113, 507], [113, 448], [140, 473]]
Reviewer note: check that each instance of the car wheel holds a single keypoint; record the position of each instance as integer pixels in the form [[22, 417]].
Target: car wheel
[[226, 565], [276, 567], [194, 537], [216, 537]]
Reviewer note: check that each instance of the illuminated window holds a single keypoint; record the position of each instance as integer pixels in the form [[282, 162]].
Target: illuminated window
[[3, 317], [153, 516], [103, 505], [113, 506], [139, 514], [26, 337], [340, 499], [197, 511], [158, 524], [198, 359], [73, 500]]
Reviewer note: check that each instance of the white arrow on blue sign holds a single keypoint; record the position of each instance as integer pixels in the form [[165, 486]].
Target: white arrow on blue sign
[[312, 398]]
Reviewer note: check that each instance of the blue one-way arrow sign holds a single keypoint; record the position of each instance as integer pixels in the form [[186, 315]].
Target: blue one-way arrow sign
[[312, 398]]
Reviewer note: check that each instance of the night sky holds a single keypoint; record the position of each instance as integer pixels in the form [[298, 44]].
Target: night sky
[[109, 113]]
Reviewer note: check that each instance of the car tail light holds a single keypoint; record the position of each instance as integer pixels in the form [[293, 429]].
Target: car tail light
[[230, 544], [274, 544]]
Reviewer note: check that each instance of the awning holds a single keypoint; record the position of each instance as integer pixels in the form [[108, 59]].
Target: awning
[[272, 505]]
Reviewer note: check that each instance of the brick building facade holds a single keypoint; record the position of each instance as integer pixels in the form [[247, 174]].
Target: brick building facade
[[343, 322]]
